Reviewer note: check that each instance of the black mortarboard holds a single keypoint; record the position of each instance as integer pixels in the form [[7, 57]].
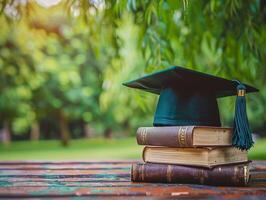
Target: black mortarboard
[[188, 97]]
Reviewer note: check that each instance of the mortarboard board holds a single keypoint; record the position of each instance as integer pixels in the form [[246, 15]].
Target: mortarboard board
[[189, 97]]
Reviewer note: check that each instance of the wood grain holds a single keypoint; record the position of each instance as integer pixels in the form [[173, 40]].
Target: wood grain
[[23, 179]]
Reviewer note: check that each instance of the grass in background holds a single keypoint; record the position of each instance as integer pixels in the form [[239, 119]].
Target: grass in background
[[258, 152], [81, 149], [90, 149]]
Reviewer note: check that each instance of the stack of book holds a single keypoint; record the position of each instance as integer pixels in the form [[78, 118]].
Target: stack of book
[[190, 154]]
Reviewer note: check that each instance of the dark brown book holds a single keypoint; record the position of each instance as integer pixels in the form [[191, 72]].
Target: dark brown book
[[203, 156], [184, 136], [227, 175]]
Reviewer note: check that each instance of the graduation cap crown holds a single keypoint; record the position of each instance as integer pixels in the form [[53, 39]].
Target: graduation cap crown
[[188, 97]]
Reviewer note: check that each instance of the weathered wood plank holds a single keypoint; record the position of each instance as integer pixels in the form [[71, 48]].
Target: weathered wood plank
[[65, 162], [148, 190], [61, 172], [109, 179], [64, 166]]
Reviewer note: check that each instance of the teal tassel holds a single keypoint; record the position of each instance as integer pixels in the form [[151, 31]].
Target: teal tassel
[[242, 138]]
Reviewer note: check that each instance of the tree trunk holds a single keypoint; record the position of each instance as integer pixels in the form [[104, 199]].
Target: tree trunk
[[35, 131], [88, 132], [64, 130], [108, 133], [6, 133]]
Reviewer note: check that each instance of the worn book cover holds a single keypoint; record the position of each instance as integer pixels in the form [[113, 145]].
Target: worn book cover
[[184, 136], [227, 175], [204, 156]]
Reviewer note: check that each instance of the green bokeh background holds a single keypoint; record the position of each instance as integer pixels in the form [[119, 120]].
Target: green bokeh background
[[62, 65]]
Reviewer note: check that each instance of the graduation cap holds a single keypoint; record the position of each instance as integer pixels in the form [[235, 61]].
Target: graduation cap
[[189, 97]]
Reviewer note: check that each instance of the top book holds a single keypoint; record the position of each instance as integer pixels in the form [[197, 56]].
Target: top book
[[185, 136]]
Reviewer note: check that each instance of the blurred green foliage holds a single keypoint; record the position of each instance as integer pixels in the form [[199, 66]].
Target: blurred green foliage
[[64, 65]]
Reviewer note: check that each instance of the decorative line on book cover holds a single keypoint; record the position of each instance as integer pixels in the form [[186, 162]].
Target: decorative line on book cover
[[182, 136]]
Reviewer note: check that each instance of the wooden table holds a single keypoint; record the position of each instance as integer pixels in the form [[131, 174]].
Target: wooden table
[[110, 180]]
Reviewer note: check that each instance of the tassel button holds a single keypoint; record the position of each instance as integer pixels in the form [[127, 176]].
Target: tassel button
[[241, 93]]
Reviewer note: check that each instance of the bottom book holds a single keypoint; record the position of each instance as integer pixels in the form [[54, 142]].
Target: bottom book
[[226, 175]]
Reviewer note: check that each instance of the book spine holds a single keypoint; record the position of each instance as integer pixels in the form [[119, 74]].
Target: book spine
[[174, 136], [229, 175]]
